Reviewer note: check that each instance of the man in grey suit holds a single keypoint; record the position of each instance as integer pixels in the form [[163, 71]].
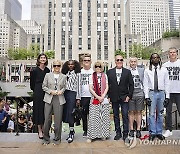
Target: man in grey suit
[[54, 85], [136, 104]]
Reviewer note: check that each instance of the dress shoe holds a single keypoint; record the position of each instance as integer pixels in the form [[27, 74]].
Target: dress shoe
[[160, 137], [131, 133], [138, 133], [118, 136], [125, 136], [152, 137]]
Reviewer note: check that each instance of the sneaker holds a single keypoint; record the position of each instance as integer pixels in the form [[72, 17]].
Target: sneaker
[[89, 140], [45, 142], [103, 138], [138, 133], [71, 136], [56, 142], [85, 134], [131, 133], [167, 133]]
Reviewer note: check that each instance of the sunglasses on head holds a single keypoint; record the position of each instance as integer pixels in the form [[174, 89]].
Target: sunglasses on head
[[96, 66], [87, 60], [56, 65], [119, 60]]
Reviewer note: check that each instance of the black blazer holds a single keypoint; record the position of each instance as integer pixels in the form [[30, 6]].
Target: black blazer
[[125, 87]]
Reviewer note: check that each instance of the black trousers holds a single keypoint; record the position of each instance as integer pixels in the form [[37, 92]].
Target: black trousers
[[84, 103], [174, 98], [124, 110]]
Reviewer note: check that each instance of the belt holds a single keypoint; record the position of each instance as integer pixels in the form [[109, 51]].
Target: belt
[[155, 90]]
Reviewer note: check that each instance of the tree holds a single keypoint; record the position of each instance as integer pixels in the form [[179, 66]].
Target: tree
[[50, 54], [172, 33], [136, 50], [34, 50], [141, 52], [2, 93], [23, 53], [120, 52]]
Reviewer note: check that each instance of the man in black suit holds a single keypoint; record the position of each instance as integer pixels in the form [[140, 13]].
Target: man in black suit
[[121, 88]]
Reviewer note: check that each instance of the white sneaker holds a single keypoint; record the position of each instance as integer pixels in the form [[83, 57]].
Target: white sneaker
[[167, 133], [89, 140]]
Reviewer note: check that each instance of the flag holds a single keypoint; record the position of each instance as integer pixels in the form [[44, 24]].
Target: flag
[[3, 70], [51, 67], [25, 67], [9, 68], [15, 69], [31, 67], [19, 71], [111, 65]]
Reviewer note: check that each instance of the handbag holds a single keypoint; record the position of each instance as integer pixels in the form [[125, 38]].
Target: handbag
[[95, 101], [106, 101]]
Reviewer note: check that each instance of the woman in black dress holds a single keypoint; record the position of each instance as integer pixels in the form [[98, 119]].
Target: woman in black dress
[[36, 80]]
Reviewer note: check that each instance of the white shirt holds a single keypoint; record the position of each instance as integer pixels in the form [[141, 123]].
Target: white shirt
[[85, 82], [118, 74], [11, 125], [56, 76], [163, 81], [173, 69]]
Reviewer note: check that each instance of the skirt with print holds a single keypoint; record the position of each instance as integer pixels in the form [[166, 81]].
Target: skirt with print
[[99, 121]]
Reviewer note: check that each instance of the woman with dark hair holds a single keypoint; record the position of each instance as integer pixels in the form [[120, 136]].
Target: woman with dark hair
[[36, 80], [72, 70]]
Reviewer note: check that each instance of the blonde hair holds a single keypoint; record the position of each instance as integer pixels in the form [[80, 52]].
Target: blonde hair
[[98, 63], [57, 62]]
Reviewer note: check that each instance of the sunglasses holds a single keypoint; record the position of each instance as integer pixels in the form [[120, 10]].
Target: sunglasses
[[119, 60], [56, 65], [97, 66], [87, 60]]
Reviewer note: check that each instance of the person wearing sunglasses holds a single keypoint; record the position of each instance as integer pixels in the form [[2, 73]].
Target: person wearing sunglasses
[[54, 85], [86, 71], [121, 88], [72, 70], [36, 80], [99, 110]]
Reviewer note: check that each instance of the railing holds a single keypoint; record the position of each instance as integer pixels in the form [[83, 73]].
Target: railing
[[176, 119]]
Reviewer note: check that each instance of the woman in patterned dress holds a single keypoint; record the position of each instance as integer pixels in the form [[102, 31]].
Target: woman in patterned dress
[[99, 110], [72, 70]]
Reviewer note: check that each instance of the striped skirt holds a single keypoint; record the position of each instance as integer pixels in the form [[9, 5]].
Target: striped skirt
[[99, 121]]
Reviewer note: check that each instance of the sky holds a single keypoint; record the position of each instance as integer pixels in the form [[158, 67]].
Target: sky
[[26, 9]]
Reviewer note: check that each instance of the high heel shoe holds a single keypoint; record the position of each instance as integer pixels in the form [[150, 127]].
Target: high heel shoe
[[40, 137]]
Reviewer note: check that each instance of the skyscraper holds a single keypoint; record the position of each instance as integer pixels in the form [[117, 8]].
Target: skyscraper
[[75, 27], [12, 8], [174, 13], [38, 11], [149, 18]]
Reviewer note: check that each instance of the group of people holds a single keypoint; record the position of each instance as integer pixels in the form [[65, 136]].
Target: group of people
[[59, 92]]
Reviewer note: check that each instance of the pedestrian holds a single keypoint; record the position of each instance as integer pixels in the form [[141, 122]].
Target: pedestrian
[[54, 85], [156, 89], [72, 70], [121, 88], [36, 80]]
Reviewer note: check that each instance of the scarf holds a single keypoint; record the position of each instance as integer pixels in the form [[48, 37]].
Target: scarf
[[96, 86]]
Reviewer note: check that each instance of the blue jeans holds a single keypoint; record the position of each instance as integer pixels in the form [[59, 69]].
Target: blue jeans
[[156, 112]]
